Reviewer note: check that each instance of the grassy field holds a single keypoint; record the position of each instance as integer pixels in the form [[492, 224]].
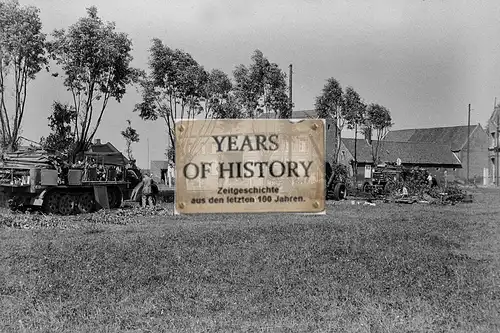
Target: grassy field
[[387, 268]]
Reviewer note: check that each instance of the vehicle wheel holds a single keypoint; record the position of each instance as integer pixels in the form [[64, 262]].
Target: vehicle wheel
[[86, 203], [339, 192], [12, 204], [390, 186], [66, 204], [112, 197], [51, 202]]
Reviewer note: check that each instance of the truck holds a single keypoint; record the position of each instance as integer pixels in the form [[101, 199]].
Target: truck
[[37, 179]]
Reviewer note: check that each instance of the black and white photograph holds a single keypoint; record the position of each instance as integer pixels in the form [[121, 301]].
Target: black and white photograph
[[250, 166]]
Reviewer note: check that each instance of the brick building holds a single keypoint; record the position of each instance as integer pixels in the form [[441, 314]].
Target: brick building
[[492, 131], [109, 154], [436, 149], [437, 159], [457, 139]]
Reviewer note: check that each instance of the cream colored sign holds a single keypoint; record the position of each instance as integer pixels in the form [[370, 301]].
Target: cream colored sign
[[250, 166]]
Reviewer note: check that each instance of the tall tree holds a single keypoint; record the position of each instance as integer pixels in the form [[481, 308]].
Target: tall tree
[[220, 102], [261, 87], [60, 122], [354, 114], [96, 61], [354, 108], [229, 109], [179, 88], [131, 136], [22, 56], [174, 88], [378, 118], [330, 105]]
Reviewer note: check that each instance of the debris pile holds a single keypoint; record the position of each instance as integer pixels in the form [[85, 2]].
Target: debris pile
[[415, 185], [449, 195], [428, 194]]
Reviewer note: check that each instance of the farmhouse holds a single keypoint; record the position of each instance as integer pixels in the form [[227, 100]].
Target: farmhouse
[[492, 131], [437, 150], [437, 159], [107, 153], [457, 139]]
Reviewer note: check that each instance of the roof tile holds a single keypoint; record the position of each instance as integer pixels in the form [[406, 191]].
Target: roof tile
[[408, 152], [454, 137]]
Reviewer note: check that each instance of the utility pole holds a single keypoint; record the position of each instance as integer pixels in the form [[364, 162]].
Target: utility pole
[[149, 163], [355, 155], [290, 101], [290, 113], [497, 148], [468, 139]]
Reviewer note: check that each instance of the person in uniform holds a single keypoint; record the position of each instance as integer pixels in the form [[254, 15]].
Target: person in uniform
[[147, 191], [154, 190]]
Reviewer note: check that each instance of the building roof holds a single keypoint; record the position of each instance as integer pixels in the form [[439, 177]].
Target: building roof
[[103, 148], [409, 153], [492, 122], [454, 137], [108, 153]]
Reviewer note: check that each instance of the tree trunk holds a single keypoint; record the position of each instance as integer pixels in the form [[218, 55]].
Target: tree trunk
[[77, 152], [12, 146], [355, 164]]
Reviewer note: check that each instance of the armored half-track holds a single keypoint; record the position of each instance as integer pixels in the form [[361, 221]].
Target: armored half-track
[[34, 179]]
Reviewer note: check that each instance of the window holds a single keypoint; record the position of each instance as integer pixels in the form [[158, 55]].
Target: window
[[328, 126], [368, 171]]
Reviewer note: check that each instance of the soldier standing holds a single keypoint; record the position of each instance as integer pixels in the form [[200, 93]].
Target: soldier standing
[[147, 193]]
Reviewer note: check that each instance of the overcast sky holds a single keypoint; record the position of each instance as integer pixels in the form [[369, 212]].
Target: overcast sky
[[424, 60]]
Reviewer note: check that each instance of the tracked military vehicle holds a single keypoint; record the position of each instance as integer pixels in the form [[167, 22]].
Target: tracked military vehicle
[[36, 179]]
